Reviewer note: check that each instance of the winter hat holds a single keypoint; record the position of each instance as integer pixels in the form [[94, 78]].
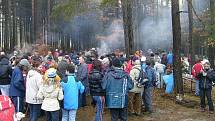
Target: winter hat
[[116, 62], [15, 53], [105, 61], [143, 59], [51, 73], [205, 61], [2, 53], [36, 58], [24, 62]]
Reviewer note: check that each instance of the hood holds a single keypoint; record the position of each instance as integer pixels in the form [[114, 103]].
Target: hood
[[4, 61], [118, 73], [31, 73], [50, 89]]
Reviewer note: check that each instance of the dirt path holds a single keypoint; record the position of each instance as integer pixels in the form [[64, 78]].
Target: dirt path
[[164, 110]]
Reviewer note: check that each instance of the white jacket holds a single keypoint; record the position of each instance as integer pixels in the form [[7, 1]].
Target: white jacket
[[51, 95], [33, 82], [159, 67]]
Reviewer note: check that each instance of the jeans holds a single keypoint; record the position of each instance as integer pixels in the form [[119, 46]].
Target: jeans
[[5, 89], [35, 110], [18, 103], [82, 101], [197, 88], [160, 81], [119, 113], [147, 98], [52, 115], [207, 93], [68, 115], [99, 107]]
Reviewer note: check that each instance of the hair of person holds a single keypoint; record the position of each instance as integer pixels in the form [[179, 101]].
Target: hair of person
[[83, 57], [71, 68], [97, 65], [46, 82]]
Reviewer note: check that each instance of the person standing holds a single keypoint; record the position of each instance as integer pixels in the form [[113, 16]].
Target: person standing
[[148, 87], [170, 58], [205, 86], [51, 92], [135, 102], [5, 75], [82, 75], [71, 88], [195, 71], [33, 82], [96, 91], [17, 85], [117, 84], [160, 70]]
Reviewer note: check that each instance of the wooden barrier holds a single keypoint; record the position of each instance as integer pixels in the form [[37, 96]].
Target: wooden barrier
[[188, 79]]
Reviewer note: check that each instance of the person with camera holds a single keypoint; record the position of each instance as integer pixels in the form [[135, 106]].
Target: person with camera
[[205, 85]]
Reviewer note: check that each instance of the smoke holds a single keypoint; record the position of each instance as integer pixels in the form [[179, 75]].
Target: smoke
[[157, 32], [201, 6], [112, 38]]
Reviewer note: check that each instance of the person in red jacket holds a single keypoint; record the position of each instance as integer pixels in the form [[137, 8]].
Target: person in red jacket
[[197, 68]]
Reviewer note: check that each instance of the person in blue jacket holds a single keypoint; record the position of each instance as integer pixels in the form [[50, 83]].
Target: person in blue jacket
[[17, 85], [71, 88], [117, 84], [148, 86], [170, 58]]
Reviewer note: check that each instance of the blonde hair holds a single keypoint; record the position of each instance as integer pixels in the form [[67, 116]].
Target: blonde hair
[[51, 81]]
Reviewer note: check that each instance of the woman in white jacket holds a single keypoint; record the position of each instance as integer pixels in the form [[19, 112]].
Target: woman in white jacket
[[33, 82], [51, 92]]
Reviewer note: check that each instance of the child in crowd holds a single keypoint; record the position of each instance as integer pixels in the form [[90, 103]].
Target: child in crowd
[[51, 92], [71, 88]]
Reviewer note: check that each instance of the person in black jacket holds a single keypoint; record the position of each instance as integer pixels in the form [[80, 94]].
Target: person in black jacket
[[5, 75], [96, 91], [205, 86]]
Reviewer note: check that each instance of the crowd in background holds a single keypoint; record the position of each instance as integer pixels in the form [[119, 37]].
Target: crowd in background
[[60, 83]]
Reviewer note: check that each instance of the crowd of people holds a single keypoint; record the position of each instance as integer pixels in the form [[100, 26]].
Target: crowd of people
[[61, 83]]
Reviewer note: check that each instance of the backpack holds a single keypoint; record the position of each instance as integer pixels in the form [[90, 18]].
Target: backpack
[[142, 78]]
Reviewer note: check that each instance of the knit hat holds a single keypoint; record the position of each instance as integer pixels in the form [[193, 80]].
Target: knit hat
[[36, 58], [24, 62], [105, 61], [116, 62], [205, 61], [143, 58], [51, 73]]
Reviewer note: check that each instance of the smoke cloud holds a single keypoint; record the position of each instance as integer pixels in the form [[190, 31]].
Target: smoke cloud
[[112, 38]]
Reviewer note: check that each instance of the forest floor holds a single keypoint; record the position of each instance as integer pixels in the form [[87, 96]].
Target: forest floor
[[165, 109]]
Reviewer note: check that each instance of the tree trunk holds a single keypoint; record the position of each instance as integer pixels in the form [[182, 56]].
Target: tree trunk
[[13, 9], [33, 34], [211, 49], [176, 27], [128, 28], [190, 38]]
